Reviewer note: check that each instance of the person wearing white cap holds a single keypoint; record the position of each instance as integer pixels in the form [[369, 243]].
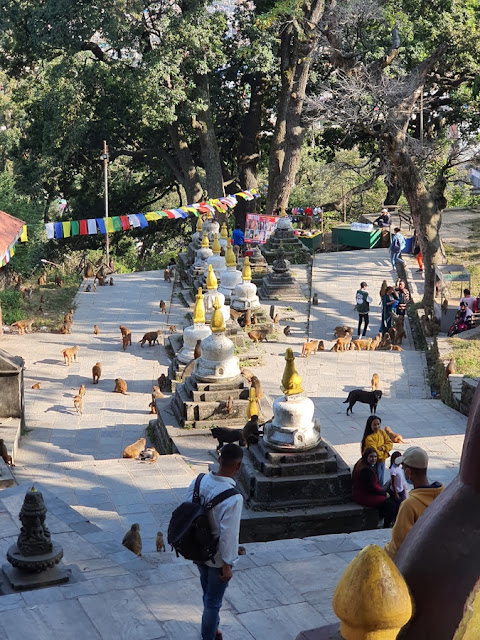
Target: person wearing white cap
[[415, 464], [362, 306]]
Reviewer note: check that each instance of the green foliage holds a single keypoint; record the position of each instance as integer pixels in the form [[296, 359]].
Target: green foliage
[[12, 307], [467, 356]]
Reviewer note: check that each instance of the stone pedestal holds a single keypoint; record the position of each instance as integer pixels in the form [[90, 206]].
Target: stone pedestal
[[280, 283], [295, 251], [259, 266]]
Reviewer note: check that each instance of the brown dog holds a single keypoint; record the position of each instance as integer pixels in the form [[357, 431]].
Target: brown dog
[[134, 450], [396, 438], [120, 386], [375, 382], [96, 372]]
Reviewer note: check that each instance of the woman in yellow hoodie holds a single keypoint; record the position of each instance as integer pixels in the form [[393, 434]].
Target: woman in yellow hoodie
[[376, 438]]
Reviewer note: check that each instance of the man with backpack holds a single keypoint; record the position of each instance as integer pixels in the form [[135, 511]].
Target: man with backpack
[[397, 245], [362, 306], [224, 518]]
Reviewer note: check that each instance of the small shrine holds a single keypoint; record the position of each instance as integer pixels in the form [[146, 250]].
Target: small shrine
[[210, 226], [224, 237], [216, 260], [196, 241], [197, 331], [231, 276], [294, 249], [201, 256], [280, 283], [244, 295], [259, 266], [215, 393]]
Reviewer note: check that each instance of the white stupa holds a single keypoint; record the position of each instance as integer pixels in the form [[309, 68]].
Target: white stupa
[[216, 260], [197, 331], [212, 294], [210, 226], [224, 236], [244, 295], [203, 253], [231, 276]]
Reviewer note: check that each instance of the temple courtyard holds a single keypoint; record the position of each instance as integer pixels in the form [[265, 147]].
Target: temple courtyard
[[280, 587]]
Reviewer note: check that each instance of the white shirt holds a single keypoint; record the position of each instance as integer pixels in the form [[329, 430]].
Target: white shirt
[[224, 517], [400, 482], [470, 300]]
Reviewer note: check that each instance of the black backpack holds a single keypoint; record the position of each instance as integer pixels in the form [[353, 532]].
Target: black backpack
[[189, 531]]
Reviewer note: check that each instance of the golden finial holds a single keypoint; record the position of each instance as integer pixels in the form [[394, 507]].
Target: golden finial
[[209, 215], [247, 269], [199, 308], [224, 232], [216, 323], [212, 282], [372, 598], [283, 213], [291, 380], [33, 490], [230, 259], [252, 404], [205, 243], [199, 224], [216, 245]]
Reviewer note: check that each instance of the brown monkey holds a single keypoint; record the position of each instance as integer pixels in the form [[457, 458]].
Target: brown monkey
[[96, 372], [150, 454], [321, 346], [7, 458], [111, 282], [58, 281], [77, 403], [197, 352], [287, 330], [309, 347], [42, 299], [163, 306], [315, 299], [81, 391], [173, 328], [124, 330], [162, 382], [102, 282], [88, 288], [159, 542], [156, 392], [42, 280], [132, 539], [153, 408], [248, 317], [134, 450], [276, 318], [120, 386], [40, 310], [96, 330], [386, 341], [255, 383], [247, 374], [375, 382], [229, 406], [242, 551], [36, 385], [94, 286], [250, 432], [70, 355], [451, 367], [23, 325], [167, 276], [126, 340], [68, 317], [258, 335], [66, 328], [395, 347], [151, 337], [235, 315]]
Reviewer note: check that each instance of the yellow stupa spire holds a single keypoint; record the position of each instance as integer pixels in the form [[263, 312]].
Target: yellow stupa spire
[[247, 269], [212, 282], [230, 259], [216, 323], [283, 213], [291, 380], [224, 232], [252, 404], [205, 243], [209, 215], [216, 245], [199, 224], [199, 308]]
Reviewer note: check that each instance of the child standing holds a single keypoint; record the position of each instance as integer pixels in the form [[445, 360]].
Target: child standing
[[397, 479]]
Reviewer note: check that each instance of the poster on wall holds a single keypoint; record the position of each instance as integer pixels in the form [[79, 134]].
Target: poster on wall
[[259, 228]]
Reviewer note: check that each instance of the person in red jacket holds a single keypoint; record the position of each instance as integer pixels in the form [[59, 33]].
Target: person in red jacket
[[367, 491]]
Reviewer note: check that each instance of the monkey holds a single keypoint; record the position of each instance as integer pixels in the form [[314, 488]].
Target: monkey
[[96, 372], [81, 391], [111, 283], [153, 407], [386, 341], [151, 337], [198, 350], [88, 288], [7, 458], [132, 539], [235, 315], [173, 328], [242, 551], [362, 344], [120, 386], [163, 306], [309, 347], [42, 280], [396, 438], [315, 299], [58, 281], [287, 330], [126, 340], [40, 310], [42, 299], [156, 392], [162, 382], [88, 271], [101, 283], [27, 292], [342, 332], [96, 330], [250, 432], [66, 328], [68, 317], [77, 403], [134, 450], [70, 355], [159, 543], [248, 317], [255, 383], [36, 385], [321, 346], [229, 406], [254, 319], [444, 306], [375, 342], [451, 367], [375, 382], [395, 347], [276, 318], [94, 286], [167, 276], [247, 374], [23, 325], [150, 454], [272, 311]]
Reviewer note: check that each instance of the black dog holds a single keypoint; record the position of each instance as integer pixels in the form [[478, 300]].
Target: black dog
[[222, 434], [359, 395]]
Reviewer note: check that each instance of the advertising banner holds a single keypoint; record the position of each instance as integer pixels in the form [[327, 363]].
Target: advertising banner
[[259, 228]]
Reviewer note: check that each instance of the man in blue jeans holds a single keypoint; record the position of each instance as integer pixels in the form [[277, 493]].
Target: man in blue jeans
[[225, 517], [397, 245]]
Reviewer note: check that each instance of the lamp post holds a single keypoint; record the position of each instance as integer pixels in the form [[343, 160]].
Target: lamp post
[[105, 158]]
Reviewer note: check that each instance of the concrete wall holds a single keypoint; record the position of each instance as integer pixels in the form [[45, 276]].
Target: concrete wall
[[11, 396]]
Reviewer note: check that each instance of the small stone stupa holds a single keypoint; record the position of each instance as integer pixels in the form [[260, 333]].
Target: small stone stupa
[[294, 249], [196, 241], [244, 295], [231, 276], [203, 400], [198, 267], [210, 226], [216, 260], [259, 266], [280, 283], [212, 294], [224, 236], [197, 331]]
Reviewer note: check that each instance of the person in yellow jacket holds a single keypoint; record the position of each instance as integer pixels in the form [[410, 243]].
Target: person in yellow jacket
[[415, 464], [377, 438]]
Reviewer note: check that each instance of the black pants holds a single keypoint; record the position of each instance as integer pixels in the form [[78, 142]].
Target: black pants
[[388, 511], [363, 317]]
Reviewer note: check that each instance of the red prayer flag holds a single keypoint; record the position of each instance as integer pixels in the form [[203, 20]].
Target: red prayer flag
[[124, 221], [83, 228]]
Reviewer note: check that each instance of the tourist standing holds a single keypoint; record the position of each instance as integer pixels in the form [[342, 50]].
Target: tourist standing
[[374, 437], [225, 517], [397, 245], [362, 306], [389, 302], [403, 297], [238, 237], [366, 489]]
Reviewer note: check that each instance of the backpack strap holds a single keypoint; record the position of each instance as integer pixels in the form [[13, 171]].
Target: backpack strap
[[221, 497], [196, 488]]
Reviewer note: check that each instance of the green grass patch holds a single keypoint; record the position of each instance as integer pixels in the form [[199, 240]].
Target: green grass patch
[[467, 356]]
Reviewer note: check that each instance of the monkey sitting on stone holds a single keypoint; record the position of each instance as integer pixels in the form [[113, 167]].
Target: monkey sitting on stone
[[228, 409], [120, 386], [287, 330], [159, 542], [315, 299], [255, 383], [96, 330], [198, 350], [132, 539], [162, 382], [250, 432]]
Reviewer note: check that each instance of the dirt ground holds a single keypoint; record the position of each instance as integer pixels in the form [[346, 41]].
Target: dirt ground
[[455, 229]]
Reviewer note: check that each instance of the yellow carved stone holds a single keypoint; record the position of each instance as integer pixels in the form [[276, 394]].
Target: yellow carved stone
[[199, 308], [372, 598], [216, 245], [247, 270], [469, 628], [291, 380], [205, 243], [252, 404], [212, 282], [230, 259], [216, 323], [224, 232], [199, 224]]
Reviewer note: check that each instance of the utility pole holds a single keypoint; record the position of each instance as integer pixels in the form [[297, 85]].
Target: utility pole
[[105, 157]]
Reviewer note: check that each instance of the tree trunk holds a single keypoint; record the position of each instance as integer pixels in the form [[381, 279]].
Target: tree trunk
[[394, 190], [203, 123], [191, 181], [296, 50]]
